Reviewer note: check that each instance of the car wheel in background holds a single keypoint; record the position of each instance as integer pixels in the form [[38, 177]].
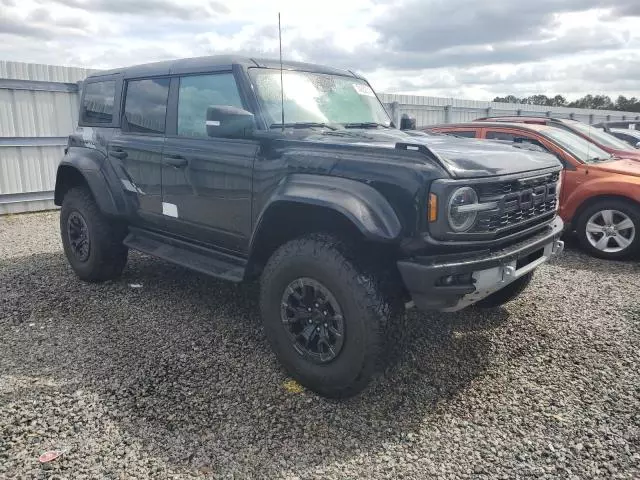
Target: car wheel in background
[[610, 229]]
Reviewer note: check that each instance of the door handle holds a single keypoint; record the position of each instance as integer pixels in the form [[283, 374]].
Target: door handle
[[176, 161], [118, 153]]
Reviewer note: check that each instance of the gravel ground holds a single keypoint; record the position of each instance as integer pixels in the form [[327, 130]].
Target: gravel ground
[[175, 380]]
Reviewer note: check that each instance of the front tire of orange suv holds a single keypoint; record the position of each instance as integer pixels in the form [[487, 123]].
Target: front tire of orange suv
[[610, 229]]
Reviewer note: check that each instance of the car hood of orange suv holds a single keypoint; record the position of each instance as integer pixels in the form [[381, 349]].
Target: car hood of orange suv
[[623, 166]]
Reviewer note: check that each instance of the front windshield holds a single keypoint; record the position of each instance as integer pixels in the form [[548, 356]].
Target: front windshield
[[603, 138], [580, 148], [316, 98]]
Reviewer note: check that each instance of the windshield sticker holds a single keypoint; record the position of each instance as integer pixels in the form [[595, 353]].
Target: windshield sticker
[[362, 89]]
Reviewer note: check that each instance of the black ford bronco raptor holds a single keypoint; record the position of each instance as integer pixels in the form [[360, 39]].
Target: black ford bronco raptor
[[342, 216]]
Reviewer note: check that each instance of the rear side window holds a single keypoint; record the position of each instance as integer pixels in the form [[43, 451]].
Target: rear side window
[[199, 92], [97, 103], [145, 106]]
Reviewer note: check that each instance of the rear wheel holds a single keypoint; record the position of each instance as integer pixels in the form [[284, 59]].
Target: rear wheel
[[92, 243], [323, 315], [610, 229]]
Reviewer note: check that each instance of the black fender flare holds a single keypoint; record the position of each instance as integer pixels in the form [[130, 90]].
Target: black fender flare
[[88, 163], [360, 203]]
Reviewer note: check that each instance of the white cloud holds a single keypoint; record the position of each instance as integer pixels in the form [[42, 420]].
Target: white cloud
[[447, 48]]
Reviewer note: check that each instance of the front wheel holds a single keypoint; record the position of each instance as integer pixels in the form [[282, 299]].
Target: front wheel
[[323, 315], [610, 229]]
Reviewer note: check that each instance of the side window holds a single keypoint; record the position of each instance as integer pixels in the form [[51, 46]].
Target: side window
[[462, 133], [97, 103], [199, 92], [505, 137], [532, 141], [145, 105]]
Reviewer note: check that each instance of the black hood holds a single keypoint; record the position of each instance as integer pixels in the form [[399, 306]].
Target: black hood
[[461, 157]]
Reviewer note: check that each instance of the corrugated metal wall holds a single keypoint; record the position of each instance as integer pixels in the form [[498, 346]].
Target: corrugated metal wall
[[432, 110], [39, 108]]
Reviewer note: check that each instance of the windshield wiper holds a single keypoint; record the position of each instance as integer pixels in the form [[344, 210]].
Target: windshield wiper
[[303, 125], [528, 146], [365, 125], [599, 159]]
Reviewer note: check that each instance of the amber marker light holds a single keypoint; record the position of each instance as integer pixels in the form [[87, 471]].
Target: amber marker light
[[432, 211]]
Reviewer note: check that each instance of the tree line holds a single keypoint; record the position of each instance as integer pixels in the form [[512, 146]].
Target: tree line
[[599, 102]]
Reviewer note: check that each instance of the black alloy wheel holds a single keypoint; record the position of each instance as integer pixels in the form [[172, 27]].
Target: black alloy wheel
[[78, 234], [313, 320]]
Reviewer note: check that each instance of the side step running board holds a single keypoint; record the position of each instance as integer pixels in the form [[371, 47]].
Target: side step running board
[[194, 257]]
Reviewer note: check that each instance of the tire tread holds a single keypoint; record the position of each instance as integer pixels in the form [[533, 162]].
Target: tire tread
[[363, 286], [110, 253]]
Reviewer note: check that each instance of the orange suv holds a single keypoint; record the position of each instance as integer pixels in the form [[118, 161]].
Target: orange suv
[[606, 141], [600, 197]]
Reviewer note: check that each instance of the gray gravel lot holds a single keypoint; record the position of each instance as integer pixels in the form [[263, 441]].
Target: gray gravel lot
[[176, 380]]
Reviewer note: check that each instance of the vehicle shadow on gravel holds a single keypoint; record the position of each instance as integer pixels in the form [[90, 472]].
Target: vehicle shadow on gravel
[[181, 364]]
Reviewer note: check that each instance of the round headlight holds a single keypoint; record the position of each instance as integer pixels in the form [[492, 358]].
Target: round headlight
[[461, 219]]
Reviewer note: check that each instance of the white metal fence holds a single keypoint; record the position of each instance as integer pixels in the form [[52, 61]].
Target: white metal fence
[[434, 110], [39, 108]]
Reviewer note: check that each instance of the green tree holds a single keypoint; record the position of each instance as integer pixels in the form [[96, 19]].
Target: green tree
[[558, 101], [507, 99], [627, 104], [599, 102]]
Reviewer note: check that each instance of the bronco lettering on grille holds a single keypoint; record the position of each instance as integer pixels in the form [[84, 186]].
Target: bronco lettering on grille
[[535, 198]]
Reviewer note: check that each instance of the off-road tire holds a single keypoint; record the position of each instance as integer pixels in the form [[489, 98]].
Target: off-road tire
[[508, 293], [629, 208], [366, 312], [107, 254]]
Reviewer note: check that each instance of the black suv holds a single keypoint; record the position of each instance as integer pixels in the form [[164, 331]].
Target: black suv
[[342, 216]]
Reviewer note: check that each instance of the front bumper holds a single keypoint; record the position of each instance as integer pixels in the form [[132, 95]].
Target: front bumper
[[489, 271]]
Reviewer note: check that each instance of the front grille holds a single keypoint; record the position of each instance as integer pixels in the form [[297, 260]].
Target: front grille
[[503, 188], [521, 203]]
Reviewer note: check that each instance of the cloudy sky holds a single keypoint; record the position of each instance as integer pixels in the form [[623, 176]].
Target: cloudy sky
[[454, 48]]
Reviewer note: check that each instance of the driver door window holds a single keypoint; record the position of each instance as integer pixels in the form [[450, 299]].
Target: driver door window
[[461, 133], [197, 93], [503, 136]]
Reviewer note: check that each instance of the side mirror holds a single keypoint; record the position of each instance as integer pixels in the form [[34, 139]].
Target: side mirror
[[228, 121], [407, 122], [638, 145]]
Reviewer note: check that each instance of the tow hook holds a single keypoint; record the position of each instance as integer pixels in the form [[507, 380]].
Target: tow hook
[[558, 247], [508, 272]]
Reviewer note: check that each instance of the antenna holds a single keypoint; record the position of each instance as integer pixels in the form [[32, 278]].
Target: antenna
[[281, 84], [589, 147]]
